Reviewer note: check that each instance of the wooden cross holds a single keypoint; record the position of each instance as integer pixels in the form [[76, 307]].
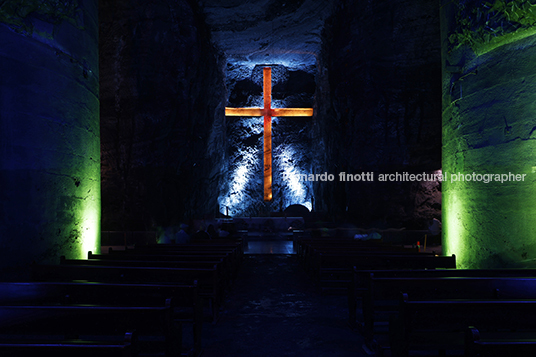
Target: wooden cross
[[268, 112]]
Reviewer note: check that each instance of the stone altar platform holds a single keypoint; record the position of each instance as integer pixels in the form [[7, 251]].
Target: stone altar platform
[[258, 224]]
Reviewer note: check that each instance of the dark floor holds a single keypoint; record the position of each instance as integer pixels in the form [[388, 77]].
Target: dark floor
[[269, 247], [274, 309]]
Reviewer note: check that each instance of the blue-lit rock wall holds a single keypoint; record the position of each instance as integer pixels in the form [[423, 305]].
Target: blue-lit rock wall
[[242, 189], [49, 132]]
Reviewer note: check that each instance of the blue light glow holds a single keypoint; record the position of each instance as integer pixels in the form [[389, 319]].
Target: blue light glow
[[244, 193], [241, 193], [293, 190], [238, 197]]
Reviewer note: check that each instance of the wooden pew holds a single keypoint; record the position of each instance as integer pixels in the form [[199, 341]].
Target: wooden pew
[[307, 247], [330, 257], [335, 271], [231, 260], [143, 263], [329, 274], [32, 324], [321, 257], [383, 294], [188, 257], [303, 242], [361, 275], [439, 325], [69, 347], [234, 248], [186, 304], [475, 346], [226, 270], [382, 260], [198, 245], [223, 273], [361, 279], [210, 286]]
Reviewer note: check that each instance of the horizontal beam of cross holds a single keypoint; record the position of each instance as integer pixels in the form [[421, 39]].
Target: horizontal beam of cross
[[275, 112]]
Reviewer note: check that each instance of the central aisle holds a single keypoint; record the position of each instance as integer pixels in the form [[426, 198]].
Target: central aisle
[[274, 309], [269, 247]]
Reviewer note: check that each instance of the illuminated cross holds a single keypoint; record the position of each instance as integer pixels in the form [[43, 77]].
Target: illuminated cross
[[268, 112]]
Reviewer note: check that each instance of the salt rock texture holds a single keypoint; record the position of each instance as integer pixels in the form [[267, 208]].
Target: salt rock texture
[[371, 71], [161, 114]]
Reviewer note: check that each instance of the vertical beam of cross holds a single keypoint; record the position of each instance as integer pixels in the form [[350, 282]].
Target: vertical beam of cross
[[268, 112], [267, 95]]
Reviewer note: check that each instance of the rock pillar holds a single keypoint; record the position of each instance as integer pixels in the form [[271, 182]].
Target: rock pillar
[[49, 132], [489, 132]]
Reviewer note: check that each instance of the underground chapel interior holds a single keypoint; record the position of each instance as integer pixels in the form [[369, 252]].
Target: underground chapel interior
[[286, 131]]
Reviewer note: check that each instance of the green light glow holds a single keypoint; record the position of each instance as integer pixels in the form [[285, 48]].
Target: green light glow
[[90, 226], [88, 194], [85, 183], [488, 129], [504, 40], [490, 225], [453, 231], [485, 26]]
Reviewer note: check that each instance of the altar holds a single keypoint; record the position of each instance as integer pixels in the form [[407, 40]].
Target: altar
[[268, 228], [269, 224]]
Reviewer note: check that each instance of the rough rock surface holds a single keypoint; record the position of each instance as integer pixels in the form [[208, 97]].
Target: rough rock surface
[[161, 114], [49, 133], [488, 129], [287, 37], [242, 193], [268, 31], [379, 98], [371, 71]]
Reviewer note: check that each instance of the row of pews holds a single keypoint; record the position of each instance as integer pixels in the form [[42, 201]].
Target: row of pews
[[405, 302], [151, 300]]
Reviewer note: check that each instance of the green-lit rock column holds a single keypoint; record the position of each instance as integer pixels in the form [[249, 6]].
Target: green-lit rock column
[[49, 132], [489, 128]]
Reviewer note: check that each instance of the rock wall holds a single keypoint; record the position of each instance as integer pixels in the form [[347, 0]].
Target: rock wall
[[242, 188], [489, 130], [379, 96], [287, 37], [162, 112], [49, 132]]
